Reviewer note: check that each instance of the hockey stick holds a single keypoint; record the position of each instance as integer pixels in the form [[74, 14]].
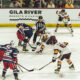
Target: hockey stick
[[56, 29], [31, 46], [44, 66], [26, 68], [70, 30], [20, 68], [40, 37]]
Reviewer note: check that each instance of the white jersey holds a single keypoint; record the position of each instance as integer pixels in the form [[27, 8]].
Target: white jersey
[[63, 50], [66, 19]]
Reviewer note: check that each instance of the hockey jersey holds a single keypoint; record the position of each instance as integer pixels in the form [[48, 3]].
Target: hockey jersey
[[26, 30], [40, 26], [59, 49], [2, 51], [10, 54]]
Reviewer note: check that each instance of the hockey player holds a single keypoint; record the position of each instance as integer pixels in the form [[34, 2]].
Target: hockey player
[[60, 51], [24, 34], [2, 51], [60, 18], [40, 28], [10, 60], [46, 39], [63, 18]]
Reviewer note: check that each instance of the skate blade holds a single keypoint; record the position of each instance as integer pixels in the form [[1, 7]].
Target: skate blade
[[56, 72]]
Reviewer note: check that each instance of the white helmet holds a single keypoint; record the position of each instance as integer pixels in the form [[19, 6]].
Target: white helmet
[[12, 43]]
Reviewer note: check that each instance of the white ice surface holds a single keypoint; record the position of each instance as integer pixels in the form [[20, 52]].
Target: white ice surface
[[32, 60]]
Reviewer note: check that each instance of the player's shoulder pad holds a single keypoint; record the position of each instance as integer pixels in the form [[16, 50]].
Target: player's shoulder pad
[[2, 48], [4, 45], [15, 50]]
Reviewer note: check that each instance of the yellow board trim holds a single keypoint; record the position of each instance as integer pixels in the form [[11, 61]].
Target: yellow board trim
[[47, 25]]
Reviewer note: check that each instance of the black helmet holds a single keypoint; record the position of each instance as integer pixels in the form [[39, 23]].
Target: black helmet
[[63, 10], [40, 17]]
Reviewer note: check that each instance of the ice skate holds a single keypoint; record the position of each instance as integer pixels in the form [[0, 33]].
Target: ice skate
[[24, 49], [57, 71], [17, 79], [3, 77], [72, 67], [19, 44]]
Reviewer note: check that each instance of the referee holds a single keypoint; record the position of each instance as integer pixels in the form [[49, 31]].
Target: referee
[[40, 28]]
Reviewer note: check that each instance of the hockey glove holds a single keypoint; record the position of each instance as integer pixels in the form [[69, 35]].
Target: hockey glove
[[15, 62], [53, 59], [38, 43], [40, 51], [26, 40]]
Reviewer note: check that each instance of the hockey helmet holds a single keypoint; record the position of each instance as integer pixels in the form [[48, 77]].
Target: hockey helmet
[[40, 17], [12, 43], [19, 25], [63, 10]]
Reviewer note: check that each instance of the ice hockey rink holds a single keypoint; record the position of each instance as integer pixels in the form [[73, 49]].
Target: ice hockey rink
[[33, 60]]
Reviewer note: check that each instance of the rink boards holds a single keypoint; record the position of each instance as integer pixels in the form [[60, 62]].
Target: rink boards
[[30, 16]]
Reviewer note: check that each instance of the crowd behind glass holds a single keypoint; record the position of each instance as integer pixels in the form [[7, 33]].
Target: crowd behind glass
[[39, 3]]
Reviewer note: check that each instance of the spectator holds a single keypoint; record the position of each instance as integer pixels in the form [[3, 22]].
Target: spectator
[[60, 4], [47, 1], [37, 4], [16, 4], [6, 3], [77, 3], [43, 4], [0, 4], [72, 1], [69, 5], [55, 2], [50, 4], [26, 3], [22, 3], [31, 4]]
